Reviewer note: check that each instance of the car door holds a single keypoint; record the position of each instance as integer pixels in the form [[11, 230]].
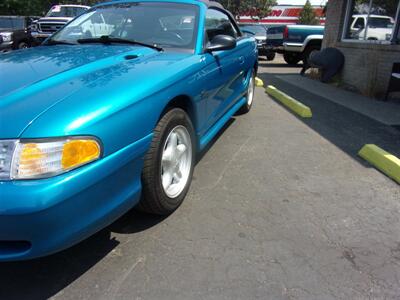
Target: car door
[[226, 70]]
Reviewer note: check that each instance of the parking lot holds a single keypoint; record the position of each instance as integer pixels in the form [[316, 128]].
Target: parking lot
[[280, 208]]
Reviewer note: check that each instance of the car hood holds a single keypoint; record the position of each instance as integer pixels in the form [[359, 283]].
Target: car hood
[[36, 79]]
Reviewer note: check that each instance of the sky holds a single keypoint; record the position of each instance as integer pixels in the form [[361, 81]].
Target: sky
[[301, 2]]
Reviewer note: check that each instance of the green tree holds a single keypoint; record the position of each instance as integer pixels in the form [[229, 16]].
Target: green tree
[[262, 8], [388, 7], [236, 7], [257, 9], [307, 15]]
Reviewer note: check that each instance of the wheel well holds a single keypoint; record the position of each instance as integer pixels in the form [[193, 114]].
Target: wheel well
[[183, 102], [314, 43], [16, 43]]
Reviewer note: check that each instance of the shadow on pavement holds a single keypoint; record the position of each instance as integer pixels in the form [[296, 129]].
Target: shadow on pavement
[[212, 142], [134, 222], [44, 277], [345, 128]]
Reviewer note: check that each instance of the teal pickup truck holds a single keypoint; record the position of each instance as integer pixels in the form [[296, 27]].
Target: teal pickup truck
[[295, 42]]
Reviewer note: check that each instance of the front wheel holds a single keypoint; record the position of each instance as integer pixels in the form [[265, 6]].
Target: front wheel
[[168, 165], [291, 58], [307, 53], [271, 56], [249, 95], [23, 45]]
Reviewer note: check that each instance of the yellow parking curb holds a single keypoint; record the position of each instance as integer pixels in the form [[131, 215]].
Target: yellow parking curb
[[259, 82], [291, 103], [382, 160]]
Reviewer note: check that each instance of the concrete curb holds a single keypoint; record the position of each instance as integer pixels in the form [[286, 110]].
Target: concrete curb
[[382, 160], [291, 103], [259, 82]]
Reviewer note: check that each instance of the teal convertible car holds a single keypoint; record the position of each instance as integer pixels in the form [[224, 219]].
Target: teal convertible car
[[109, 113]]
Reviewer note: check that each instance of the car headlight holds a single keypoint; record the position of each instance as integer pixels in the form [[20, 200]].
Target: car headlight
[[36, 159], [7, 36]]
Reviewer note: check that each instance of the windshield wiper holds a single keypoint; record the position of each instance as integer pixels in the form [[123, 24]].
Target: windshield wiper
[[52, 42], [107, 40]]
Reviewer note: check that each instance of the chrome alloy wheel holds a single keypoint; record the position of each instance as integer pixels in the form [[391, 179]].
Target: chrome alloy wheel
[[250, 90], [176, 161]]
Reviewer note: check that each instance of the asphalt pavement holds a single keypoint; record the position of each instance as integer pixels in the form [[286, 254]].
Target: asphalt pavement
[[279, 208]]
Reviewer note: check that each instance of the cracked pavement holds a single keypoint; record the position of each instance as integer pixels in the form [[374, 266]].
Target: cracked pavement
[[276, 210]]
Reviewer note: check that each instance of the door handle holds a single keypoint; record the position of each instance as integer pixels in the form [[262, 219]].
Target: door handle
[[241, 60]]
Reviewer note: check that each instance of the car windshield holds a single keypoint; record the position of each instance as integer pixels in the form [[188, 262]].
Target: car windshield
[[163, 24], [12, 23], [256, 29], [380, 22], [65, 11]]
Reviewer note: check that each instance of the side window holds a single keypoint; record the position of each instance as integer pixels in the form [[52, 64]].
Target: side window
[[218, 23], [375, 20], [359, 24]]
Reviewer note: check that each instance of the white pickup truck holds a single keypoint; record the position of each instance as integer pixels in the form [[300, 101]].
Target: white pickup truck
[[379, 27], [55, 19]]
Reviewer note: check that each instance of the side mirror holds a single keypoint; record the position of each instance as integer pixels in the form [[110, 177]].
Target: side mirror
[[221, 42]]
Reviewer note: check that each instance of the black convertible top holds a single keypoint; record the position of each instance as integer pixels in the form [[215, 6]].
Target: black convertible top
[[212, 4]]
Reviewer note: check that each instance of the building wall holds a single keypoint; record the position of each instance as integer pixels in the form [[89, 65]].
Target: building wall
[[367, 66]]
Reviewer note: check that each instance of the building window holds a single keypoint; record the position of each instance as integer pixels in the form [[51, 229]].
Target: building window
[[372, 21]]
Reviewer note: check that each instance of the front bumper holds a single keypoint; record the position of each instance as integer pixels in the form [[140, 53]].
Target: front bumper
[[293, 47], [263, 50], [5, 46], [39, 37], [40, 217]]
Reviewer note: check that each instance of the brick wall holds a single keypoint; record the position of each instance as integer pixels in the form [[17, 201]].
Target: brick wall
[[367, 67]]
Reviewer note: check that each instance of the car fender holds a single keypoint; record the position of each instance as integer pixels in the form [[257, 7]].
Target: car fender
[[121, 117]]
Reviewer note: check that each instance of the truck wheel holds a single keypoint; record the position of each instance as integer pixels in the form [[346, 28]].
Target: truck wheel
[[307, 52], [270, 56], [168, 165], [23, 45], [291, 58]]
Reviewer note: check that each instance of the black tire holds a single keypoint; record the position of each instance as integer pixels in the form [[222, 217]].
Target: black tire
[[270, 56], [154, 199], [307, 52], [291, 58], [23, 45], [247, 106]]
